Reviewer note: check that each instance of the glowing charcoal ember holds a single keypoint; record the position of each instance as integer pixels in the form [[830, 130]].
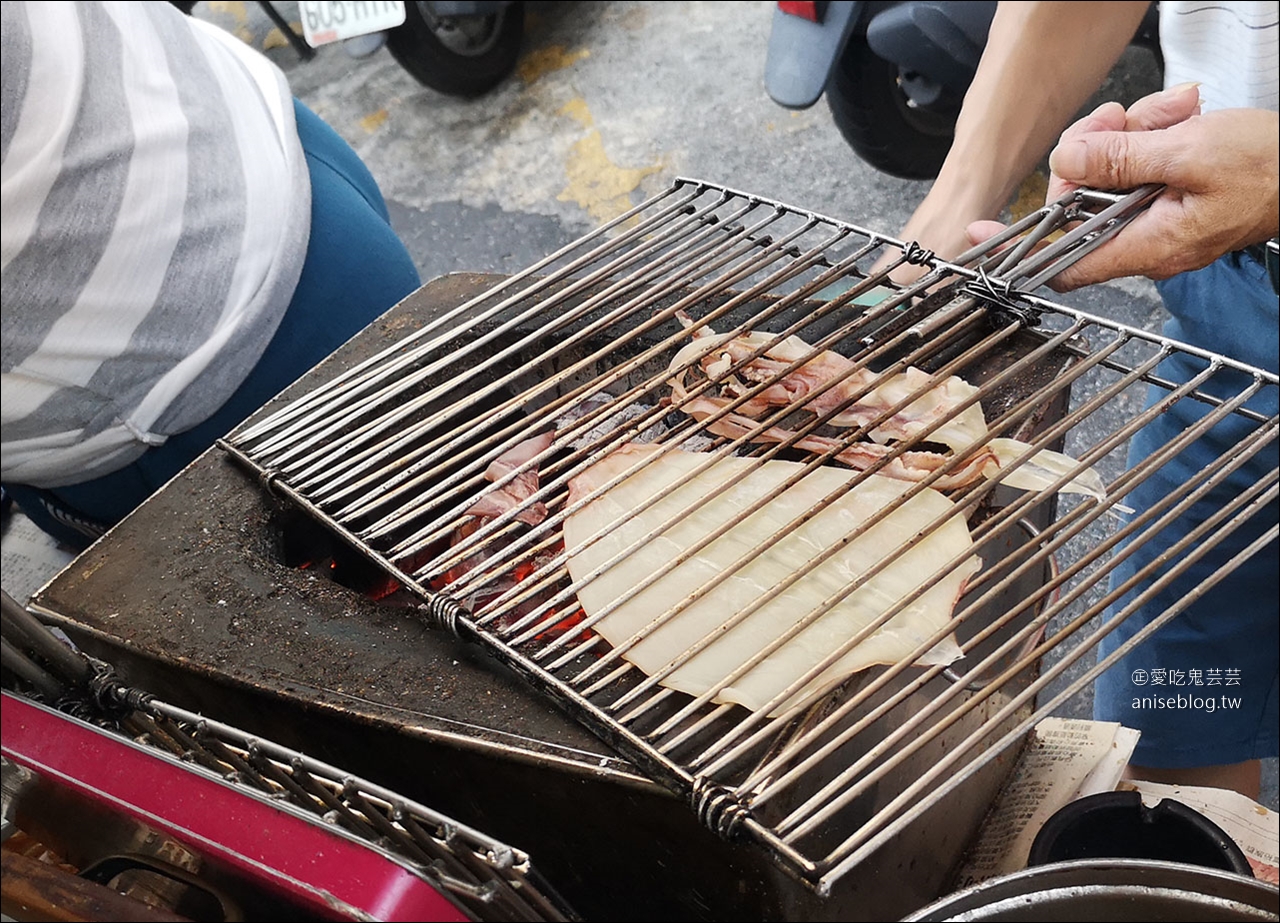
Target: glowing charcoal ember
[[504, 580], [773, 559]]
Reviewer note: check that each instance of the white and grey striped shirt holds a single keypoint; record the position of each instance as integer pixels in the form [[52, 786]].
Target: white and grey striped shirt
[[156, 212], [1231, 49]]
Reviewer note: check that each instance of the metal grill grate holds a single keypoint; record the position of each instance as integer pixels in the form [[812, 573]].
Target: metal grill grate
[[483, 876], [591, 349]]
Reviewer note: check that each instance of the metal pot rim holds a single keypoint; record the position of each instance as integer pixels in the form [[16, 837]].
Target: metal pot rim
[[1234, 896]]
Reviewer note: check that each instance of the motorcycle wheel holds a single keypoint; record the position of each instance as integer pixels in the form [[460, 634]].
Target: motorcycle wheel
[[876, 118], [459, 55]]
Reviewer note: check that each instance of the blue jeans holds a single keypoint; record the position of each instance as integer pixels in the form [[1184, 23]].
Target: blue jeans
[[1229, 637], [356, 268]]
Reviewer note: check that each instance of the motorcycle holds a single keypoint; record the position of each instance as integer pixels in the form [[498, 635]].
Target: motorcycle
[[459, 48], [894, 74], [463, 49]]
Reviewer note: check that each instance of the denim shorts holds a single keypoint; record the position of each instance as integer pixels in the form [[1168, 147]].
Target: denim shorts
[[1203, 688]]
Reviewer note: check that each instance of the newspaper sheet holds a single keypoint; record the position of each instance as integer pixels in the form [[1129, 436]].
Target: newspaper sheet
[[1065, 759], [30, 557]]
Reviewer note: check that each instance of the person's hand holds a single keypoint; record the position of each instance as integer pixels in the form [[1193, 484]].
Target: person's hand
[[939, 226], [1151, 113], [1220, 170]]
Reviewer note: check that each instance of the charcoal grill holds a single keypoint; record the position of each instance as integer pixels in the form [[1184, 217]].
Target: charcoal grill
[[857, 806], [392, 453]]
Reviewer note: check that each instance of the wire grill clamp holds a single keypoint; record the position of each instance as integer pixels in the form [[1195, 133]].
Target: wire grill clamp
[[717, 808], [917, 255], [441, 612], [1000, 299]]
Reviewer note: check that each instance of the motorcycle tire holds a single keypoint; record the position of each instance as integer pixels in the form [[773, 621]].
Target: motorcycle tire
[[875, 117], [462, 56]]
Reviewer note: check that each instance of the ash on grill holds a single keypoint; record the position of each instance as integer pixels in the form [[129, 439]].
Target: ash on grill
[[407, 454]]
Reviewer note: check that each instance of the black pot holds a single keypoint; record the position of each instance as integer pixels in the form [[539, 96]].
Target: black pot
[[1117, 825]]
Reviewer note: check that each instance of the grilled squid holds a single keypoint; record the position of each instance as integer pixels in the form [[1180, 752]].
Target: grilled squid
[[771, 610], [950, 405]]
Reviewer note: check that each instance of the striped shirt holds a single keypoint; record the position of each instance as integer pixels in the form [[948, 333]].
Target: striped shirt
[[156, 212], [1231, 49]]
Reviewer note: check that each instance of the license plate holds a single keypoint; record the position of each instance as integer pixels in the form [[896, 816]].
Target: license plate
[[325, 22]]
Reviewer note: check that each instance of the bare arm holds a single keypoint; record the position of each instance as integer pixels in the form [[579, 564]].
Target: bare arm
[[1041, 63]]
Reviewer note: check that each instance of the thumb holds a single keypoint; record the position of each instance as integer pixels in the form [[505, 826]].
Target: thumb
[[1115, 159], [978, 231]]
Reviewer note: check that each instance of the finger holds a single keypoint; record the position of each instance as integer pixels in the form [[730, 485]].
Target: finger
[[1160, 110], [1151, 113], [907, 273], [978, 231], [1120, 160], [1107, 117], [1100, 266]]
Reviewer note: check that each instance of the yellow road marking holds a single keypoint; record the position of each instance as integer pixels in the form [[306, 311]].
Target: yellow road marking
[[542, 61], [596, 183]]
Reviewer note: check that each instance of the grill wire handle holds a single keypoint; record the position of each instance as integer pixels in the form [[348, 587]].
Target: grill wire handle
[[1000, 271], [1026, 268]]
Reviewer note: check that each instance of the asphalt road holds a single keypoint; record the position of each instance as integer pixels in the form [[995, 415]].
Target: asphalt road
[[609, 103]]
